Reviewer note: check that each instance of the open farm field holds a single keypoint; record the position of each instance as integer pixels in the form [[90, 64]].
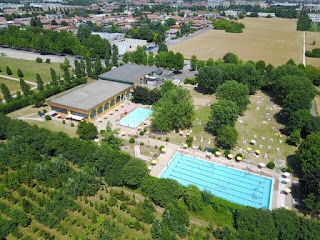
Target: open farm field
[[310, 38], [12, 85], [29, 68], [273, 40]]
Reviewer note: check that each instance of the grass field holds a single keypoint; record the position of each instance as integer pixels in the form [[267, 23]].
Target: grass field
[[12, 85], [310, 37], [29, 68], [273, 40]]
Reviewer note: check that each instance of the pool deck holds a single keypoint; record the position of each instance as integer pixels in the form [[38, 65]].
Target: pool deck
[[279, 198]]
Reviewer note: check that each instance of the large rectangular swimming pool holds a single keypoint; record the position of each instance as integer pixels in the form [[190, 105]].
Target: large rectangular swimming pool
[[225, 182], [136, 117]]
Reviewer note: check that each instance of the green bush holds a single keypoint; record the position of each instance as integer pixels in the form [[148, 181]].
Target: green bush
[[167, 139], [141, 133], [39, 60], [192, 81], [47, 117], [271, 165], [72, 124], [44, 111], [142, 143], [226, 153], [63, 121], [48, 60], [8, 70], [132, 140]]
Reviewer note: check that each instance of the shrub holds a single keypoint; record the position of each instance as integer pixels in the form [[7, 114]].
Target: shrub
[[141, 133], [47, 117], [192, 81], [226, 153], [271, 165], [39, 60], [239, 155], [160, 148], [48, 60], [215, 150], [44, 111], [72, 124], [132, 140], [167, 139], [63, 121], [142, 143]]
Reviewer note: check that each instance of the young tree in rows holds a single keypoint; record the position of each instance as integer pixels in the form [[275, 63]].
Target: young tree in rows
[[65, 70], [88, 66], [227, 136], [77, 69], [193, 62], [20, 73], [236, 92], [178, 61], [224, 112], [6, 92], [18, 95], [54, 79], [162, 48], [87, 131], [8, 71], [151, 59], [26, 89], [39, 83], [115, 53], [83, 68], [107, 58], [97, 67], [126, 57]]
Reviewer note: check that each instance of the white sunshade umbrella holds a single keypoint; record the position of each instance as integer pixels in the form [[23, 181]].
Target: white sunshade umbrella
[[287, 174], [262, 164], [253, 141], [287, 190], [286, 180]]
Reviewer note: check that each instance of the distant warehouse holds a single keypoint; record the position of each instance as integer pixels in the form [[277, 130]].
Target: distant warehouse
[[96, 98]]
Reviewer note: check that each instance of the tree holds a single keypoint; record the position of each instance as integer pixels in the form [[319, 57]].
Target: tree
[[151, 59], [224, 112], [311, 191], [26, 89], [38, 99], [181, 113], [209, 62], [230, 58], [109, 136], [133, 172], [126, 57], [308, 153], [261, 66], [77, 69], [8, 71], [54, 22], [304, 22], [6, 92], [107, 58], [88, 66], [227, 136], [170, 22], [20, 73], [312, 126], [86, 130], [178, 61], [209, 78], [296, 100], [288, 229], [162, 48], [83, 32], [97, 67], [299, 119], [40, 84], [64, 23], [54, 80], [236, 92], [295, 137], [193, 62], [193, 199], [115, 55], [176, 218]]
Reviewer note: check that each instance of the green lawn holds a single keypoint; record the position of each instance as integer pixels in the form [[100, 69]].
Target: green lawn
[[29, 68], [12, 85]]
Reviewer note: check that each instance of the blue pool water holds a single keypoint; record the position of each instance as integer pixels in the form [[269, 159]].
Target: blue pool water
[[225, 182], [136, 117]]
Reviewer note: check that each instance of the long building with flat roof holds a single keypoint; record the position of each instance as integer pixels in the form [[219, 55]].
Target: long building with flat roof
[[96, 98]]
